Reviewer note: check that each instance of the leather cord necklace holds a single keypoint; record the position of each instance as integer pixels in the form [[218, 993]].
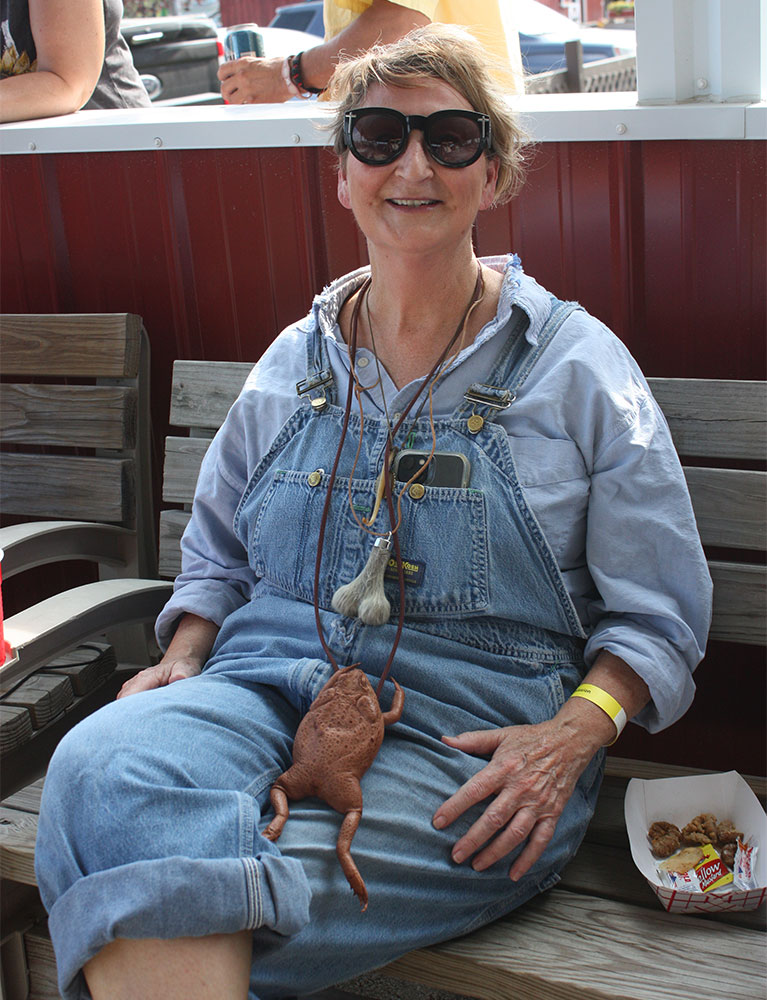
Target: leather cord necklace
[[388, 455]]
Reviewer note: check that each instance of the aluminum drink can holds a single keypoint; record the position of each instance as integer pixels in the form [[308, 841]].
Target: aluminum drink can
[[243, 40]]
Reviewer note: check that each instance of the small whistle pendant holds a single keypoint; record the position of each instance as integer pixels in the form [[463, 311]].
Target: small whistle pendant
[[380, 491]]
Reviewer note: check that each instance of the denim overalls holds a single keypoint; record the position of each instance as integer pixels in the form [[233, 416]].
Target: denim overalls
[[153, 806]]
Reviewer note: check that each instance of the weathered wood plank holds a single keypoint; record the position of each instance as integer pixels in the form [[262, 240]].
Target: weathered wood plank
[[630, 767], [172, 525], [96, 345], [203, 391], [183, 457], [715, 418], [717, 494], [565, 946], [80, 488], [18, 831], [740, 597], [43, 980], [26, 799], [69, 416]]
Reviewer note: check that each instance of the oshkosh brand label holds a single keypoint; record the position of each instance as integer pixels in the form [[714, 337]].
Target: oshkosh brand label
[[413, 571]]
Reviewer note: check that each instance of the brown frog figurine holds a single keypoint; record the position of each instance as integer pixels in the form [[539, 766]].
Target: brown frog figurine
[[336, 742]]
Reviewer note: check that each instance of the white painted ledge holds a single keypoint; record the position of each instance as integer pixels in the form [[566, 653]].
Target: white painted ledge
[[549, 118]]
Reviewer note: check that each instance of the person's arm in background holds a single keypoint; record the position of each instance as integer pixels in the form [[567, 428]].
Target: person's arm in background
[[69, 38], [260, 81]]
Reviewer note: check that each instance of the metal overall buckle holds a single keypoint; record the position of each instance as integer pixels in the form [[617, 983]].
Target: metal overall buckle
[[315, 382], [492, 396]]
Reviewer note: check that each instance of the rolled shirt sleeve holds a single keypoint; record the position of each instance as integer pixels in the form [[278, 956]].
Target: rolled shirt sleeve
[[653, 609]]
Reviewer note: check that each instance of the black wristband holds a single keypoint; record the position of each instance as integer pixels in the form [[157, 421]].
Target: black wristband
[[296, 77]]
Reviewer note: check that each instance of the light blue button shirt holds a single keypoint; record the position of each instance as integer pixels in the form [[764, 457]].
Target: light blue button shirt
[[592, 451]]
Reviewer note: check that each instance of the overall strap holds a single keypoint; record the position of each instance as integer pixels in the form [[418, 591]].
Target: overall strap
[[319, 384], [484, 401], [560, 311]]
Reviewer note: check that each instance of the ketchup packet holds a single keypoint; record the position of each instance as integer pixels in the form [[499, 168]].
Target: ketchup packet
[[744, 865], [710, 873]]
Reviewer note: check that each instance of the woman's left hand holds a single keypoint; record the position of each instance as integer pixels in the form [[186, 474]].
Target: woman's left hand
[[531, 776]]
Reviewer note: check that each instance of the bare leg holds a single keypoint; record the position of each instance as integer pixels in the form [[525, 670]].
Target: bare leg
[[204, 968]]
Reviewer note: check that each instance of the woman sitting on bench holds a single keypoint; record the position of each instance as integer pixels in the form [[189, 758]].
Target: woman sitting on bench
[[447, 477]]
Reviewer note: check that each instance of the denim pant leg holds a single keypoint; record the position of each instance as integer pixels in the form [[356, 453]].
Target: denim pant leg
[[151, 811], [150, 816], [418, 896]]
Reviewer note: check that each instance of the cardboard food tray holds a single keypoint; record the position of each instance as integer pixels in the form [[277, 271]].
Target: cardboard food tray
[[679, 800]]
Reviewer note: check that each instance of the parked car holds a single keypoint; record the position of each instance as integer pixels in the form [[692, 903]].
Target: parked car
[[300, 17], [176, 57], [542, 33]]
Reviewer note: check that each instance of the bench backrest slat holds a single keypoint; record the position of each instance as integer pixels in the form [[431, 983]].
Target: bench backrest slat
[[72, 488], [203, 391], [84, 416], [101, 345], [183, 457], [716, 493], [740, 597], [715, 418]]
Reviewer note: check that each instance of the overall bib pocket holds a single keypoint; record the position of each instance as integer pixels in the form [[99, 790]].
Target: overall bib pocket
[[286, 534], [444, 545], [443, 540]]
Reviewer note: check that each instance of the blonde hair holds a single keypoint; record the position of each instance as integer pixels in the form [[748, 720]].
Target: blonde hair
[[440, 52]]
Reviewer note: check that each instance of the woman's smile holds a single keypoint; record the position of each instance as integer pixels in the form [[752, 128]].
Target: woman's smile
[[413, 202]]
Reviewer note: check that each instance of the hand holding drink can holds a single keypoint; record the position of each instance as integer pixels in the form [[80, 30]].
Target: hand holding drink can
[[243, 40]]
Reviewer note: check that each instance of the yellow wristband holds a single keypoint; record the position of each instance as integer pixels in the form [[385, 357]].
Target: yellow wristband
[[606, 702]]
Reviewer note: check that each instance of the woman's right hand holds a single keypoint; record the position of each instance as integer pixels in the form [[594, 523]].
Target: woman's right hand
[[185, 657], [168, 670]]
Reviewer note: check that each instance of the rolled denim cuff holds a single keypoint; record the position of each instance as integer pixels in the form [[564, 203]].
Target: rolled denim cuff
[[172, 898]]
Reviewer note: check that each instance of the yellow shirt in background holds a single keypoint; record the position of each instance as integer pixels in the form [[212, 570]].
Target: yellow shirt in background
[[481, 17]]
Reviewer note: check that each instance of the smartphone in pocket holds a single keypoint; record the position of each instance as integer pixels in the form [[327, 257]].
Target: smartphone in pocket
[[446, 468]]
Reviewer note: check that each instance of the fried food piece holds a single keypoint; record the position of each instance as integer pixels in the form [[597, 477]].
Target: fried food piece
[[727, 854], [664, 838], [701, 830], [726, 833], [684, 861]]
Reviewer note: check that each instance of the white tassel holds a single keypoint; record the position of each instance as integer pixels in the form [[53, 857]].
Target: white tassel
[[364, 597]]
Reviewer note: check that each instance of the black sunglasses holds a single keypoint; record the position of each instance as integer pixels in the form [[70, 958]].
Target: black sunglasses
[[377, 136]]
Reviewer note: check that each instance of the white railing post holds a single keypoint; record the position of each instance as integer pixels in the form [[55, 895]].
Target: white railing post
[[704, 50]]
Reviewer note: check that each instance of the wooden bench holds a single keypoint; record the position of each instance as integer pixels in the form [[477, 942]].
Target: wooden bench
[[75, 465], [601, 932]]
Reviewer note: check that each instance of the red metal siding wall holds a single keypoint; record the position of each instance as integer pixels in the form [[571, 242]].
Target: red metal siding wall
[[220, 249], [249, 11]]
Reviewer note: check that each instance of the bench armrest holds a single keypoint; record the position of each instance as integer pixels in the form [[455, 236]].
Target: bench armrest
[[49, 628], [37, 543]]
